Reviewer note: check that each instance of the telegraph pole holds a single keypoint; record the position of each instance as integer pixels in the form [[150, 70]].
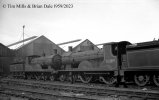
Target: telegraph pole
[[23, 34], [23, 53], [23, 43]]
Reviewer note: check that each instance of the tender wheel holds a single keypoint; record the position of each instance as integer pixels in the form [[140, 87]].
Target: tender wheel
[[52, 78], [62, 78], [85, 78], [141, 79], [108, 80], [156, 79]]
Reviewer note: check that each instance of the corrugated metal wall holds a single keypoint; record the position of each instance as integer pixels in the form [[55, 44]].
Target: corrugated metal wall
[[5, 52], [6, 57]]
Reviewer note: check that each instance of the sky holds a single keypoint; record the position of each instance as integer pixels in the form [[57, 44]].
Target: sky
[[100, 21]]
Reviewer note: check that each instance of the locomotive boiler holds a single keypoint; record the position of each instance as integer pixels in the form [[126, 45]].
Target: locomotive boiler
[[76, 58]]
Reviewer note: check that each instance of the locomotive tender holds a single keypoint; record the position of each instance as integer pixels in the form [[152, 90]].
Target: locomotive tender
[[131, 63]]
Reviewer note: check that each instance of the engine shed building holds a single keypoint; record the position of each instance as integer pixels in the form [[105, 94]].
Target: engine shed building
[[6, 58], [86, 45], [39, 46]]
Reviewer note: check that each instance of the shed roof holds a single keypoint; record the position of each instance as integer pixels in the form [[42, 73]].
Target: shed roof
[[42, 36]]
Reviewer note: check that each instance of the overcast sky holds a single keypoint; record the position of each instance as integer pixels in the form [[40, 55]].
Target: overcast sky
[[99, 21]]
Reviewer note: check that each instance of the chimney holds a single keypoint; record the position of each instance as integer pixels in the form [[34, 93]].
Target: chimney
[[70, 48], [55, 51]]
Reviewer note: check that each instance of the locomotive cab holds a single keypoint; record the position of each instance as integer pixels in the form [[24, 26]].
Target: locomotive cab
[[113, 54], [110, 59], [111, 65]]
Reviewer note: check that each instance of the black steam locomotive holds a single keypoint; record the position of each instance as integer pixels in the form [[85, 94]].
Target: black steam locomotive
[[115, 62]]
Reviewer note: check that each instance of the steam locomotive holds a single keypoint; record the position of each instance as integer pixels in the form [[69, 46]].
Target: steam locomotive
[[115, 62]]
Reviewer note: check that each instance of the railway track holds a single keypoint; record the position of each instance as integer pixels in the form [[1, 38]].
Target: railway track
[[78, 91], [40, 94]]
